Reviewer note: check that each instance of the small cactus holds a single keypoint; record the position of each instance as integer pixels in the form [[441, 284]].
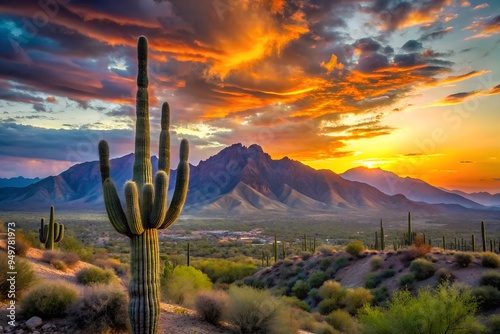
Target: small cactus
[[382, 236], [188, 255], [51, 233], [376, 241], [483, 235], [444, 243]]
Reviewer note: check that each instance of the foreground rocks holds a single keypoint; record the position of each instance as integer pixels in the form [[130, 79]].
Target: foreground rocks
[[36, 325]]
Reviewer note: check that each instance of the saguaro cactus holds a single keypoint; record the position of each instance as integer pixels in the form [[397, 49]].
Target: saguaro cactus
[[51, 233], [473, 238], [410, 232], [382, 236], [483, 235], [146, 208], [376, 241]]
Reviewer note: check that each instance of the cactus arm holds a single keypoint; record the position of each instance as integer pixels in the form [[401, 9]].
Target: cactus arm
[[159, 209], [181, 187], [133, 210], [60, 233], [146, 203], [164, 150], [42, 232], [142, 164]]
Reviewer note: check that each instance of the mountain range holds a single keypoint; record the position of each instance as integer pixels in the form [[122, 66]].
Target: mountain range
[[17, 182], [242, 179]]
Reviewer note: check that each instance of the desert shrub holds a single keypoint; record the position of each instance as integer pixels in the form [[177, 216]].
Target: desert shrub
[[24, 279], [372, 280], [184, 283], [388, 273], [322, 328], [494, 324], [59, 265], [327, 249], [49, 300], [71, 245], [325, 263], [443, 275], [487, 296], [306, 255], [380, 295], [490, 260], [490, 277], [355, 247], [300, 289], [22, 244], [422, 269], [211, 305], [419, 248], [297, 303], [406, 280], [327, 306], [463, 259], [120, 269], [258, 311], [355, 298], [94, 275], [226, 271], [376, 262], [69, 259], [342, 321], [316, 279], [330, 289], [339, 263], [101, 309], [452, 312]]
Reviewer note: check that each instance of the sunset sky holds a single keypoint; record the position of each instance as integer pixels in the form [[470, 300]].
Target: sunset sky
[[412, 87]]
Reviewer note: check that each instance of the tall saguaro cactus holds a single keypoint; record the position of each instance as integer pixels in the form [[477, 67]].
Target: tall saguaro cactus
[[51, 233], [382, 236], [483, 236], [146, 208]]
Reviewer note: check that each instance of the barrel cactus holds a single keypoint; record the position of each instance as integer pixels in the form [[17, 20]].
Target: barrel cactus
[[51, 233], [146, 210]]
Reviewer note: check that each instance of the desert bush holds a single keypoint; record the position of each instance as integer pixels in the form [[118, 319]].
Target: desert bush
[[25, 277], [327, 249], [300, 289], [59, 265], [355, 247], [490, 260], [120, 269], [327, 306], [376, 262], [49, 300], [494, 324], [101, 309], [22, 244], [490, 277], [71, 245], [226, 271], [463, 259], [69, 259], [330, 289], [325, 263], [316, 279], [306, 255], [183, 285], [258, 311], [372, 280], [443, 275], [355, 298], [342, 321], [322, 328], [419, 248], [95, 275], [407, 280], [211, 305], [446, 309], [297, 303], [380, 295], [488, 297], [422, 269]]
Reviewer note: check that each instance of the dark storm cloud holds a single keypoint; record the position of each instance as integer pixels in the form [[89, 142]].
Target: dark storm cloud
[[412, 46], [435, 35]]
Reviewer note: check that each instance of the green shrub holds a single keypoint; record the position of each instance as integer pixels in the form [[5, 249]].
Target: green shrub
[[407, 280], [327, 249], [120, 269], [69, 259], [463, 259], [226, 271], [183, 285], [22, 244], [300, 289], [325, 263], [372, 280], [59, 265], [306, 255], [49, 300], [101, 309], [444, 275], [342, 321], [94, 275], [316, 279], [323, 328], [490, 277], [331, 289], [71, 245], [355, 247], [297, 303], [327, 306], [376, 262], [25, 277], [380, 295], [447, 309], [494, 324], [422, 269], [211, 305], [355, 298], [490, 260], [259, 312], [488, 297]]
